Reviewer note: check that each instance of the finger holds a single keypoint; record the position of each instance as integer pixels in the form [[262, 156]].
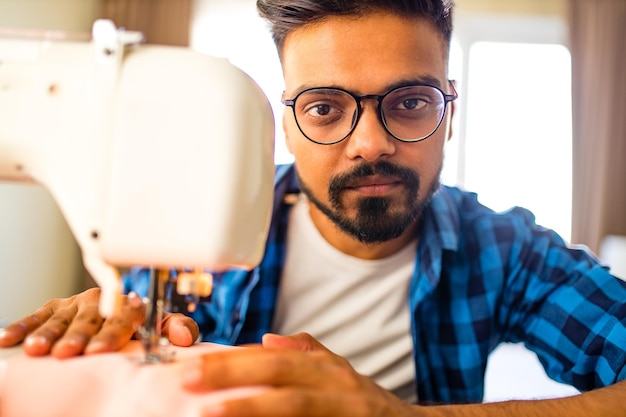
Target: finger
[[85, 325], [180, 329], [116, 330], [259, 366], [286, 402], [41, 340], [16, 332], [301, 341]]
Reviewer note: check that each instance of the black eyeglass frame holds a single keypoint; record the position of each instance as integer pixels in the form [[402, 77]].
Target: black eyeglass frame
[[447, 98]]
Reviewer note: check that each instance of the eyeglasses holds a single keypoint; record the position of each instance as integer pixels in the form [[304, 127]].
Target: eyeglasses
[[409, 114]]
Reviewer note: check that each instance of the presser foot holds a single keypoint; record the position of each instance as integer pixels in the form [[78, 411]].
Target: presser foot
[[155, 352]]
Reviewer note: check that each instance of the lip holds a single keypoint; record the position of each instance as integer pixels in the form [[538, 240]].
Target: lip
[[374, 185]]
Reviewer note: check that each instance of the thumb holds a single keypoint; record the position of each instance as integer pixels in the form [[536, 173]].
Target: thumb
[[180, 329], [300, 341]]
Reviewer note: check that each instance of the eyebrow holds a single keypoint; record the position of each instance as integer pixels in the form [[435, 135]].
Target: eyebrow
[[418, 80], [424, 79]]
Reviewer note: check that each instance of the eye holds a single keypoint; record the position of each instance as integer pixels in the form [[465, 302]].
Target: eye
[[414, 103], [409, 100], [324, 106], [320, 110]]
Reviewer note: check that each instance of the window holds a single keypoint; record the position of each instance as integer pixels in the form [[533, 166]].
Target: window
[[518, 136], [512, 139], [233, 30]]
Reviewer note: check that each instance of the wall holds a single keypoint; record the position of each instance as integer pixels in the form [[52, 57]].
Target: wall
[[163, 22], [39, 258], [70, 15], [540, 7]]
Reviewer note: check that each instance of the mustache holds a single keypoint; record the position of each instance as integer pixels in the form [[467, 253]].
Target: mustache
[[406, 175]]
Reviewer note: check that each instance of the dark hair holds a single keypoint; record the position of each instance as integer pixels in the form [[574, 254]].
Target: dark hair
[[286, 15]]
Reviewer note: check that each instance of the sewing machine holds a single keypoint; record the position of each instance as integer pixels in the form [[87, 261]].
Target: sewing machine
[[157, 156]]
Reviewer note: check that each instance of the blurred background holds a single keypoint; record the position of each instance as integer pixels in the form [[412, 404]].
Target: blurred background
[[540, 123]]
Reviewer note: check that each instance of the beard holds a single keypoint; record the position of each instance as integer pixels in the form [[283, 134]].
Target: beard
[[377, 219]]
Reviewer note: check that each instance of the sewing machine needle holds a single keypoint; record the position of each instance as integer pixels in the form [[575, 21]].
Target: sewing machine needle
[[150, 332]]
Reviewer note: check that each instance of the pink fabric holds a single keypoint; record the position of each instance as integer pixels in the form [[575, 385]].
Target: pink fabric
[[105, 385]]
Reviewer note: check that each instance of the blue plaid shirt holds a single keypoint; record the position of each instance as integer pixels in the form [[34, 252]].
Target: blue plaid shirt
[[481, 278]]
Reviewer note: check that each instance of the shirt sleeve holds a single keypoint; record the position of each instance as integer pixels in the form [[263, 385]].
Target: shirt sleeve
[[566, 307]]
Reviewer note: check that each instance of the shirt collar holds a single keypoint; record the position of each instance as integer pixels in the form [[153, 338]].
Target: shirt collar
[[441, 219]]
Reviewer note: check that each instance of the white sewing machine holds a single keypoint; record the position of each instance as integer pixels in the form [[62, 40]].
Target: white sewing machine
[[156, 156]]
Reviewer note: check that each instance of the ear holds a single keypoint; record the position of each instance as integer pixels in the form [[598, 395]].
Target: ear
[[452, 111]]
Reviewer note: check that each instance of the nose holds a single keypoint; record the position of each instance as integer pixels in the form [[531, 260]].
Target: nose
[[369, 140]]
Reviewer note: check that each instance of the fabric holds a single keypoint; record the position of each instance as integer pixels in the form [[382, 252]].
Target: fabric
[[340, 299], [105, 385], [481, 278], [596, 41]]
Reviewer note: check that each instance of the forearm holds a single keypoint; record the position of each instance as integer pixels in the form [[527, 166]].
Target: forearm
[[605, 402]]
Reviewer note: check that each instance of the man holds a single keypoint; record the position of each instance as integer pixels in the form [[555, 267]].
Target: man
[[407, 286]]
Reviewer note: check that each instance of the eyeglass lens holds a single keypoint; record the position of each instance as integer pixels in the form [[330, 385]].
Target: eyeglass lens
[[327, 115]]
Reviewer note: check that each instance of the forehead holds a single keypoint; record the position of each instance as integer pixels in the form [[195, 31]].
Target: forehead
[[365, 54]]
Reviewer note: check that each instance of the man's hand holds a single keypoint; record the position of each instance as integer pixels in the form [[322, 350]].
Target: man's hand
[[304, 377], [71, 326]]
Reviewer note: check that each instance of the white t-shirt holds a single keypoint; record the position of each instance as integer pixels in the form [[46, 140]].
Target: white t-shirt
[[357, 308]]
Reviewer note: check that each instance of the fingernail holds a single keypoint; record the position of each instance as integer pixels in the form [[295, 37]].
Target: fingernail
[[192, 372], [36, 340], [180, 335], [134, 299], [96, 346], [3, 333], [189, 333], [70, 342]]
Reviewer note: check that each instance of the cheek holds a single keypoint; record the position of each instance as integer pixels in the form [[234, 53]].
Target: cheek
[[288, 130], [314, 168], [432, 165], [425, 157], [315, 163], [306, 153]]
